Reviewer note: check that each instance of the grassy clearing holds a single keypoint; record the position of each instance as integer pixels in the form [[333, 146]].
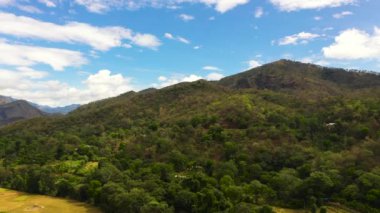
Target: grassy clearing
[[330, 209], [18, 202]]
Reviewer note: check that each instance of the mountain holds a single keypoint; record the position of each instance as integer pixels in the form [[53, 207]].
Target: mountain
[[5, 99], [288, 75], [16, 111], [284, 134], [47, 109], [57, 110]]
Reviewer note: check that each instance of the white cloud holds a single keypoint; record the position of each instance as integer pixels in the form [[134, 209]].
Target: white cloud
[[29, 9], [302, 37], [223, 6], [22, 55], [162, 78], [100, 38], [98, 6], [102, 6], [20, 5], [315, 60], [6, 2], [48, 3], [164, 81], [169, 36], [197, 47], [318, 18], [175, 79], [293, 5], [146, 40], [183, 40], [259, 12], [342, 14], [253, 64], [355, 44], [25, 85], [186, 17], [214, 76], [211, 68], [176, 38]]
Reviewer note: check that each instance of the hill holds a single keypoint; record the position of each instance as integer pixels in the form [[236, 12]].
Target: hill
[[5, 99], [17, 111], [286, 134]]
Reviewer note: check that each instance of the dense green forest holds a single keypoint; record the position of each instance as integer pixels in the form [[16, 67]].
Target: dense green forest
[[285, 134]]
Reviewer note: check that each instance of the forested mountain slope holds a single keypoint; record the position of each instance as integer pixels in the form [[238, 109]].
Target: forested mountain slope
[[286, 134]]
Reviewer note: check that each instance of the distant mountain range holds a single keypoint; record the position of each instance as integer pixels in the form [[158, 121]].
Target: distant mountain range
[[12, 110], [57, 110]]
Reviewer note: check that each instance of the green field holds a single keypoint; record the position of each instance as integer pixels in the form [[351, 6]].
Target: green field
[[14, 202], [330, 209]]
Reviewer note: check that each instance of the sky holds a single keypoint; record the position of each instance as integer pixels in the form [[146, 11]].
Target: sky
[[61, 52]]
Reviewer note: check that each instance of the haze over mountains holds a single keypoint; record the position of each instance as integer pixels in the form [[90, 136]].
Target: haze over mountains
[[12, 110], [17, 110], [284, 134]]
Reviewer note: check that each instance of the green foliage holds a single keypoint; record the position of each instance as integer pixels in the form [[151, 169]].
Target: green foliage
[[300, 139]]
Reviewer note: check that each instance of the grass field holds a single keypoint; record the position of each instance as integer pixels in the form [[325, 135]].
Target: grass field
[[330, 209], [16, 202]]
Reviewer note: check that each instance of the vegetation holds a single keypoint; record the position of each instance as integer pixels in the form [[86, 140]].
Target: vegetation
[[286, 134], [16, 202]]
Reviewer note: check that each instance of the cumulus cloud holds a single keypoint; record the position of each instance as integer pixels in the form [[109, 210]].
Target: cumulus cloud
[[259, 12], [164, 81], [342, 14], [29, 84], [293, 5], [223, 6], [354, 44], [176, 38], [302, 37], [100, 38], [253, 64], [102, 6], [22, 55]]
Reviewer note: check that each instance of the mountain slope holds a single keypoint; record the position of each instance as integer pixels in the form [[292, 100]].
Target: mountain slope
[[5, 99], [287, 134], [291, 75], [17, 111]]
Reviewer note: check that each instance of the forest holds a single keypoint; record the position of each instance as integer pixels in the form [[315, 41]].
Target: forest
[[286, 134]]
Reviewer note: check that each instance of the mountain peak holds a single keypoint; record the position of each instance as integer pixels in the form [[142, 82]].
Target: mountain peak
[[16, 111], [288, 74]]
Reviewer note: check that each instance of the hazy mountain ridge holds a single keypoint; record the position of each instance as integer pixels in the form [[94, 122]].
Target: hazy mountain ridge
[[57, 110], [17, 111]]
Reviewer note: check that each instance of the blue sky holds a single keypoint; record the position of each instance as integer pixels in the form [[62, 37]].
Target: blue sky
[[58, 52]]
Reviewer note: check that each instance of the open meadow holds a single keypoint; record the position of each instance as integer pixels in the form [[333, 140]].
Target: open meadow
[[17, 202]]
